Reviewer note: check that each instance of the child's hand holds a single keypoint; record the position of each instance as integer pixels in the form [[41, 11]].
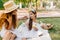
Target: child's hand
[[35, 28], [46, 26]]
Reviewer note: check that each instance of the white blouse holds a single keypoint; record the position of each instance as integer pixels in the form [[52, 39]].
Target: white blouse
[[2, 32], [23, 29], [32, 34]]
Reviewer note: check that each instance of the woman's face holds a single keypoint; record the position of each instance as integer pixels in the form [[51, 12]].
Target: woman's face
[[31, 15]]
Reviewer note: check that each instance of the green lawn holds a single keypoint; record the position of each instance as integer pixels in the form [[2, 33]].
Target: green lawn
[[55, 31]]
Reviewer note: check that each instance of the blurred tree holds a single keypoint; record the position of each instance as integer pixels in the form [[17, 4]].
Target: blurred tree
[[1, 5], [24, 3], [17, 1], [4, 1]]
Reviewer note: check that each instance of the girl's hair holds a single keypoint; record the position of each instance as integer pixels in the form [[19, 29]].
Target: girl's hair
[[30, 20]]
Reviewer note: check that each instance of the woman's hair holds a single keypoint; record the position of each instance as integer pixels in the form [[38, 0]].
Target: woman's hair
[[13, 19], [6, 24], [2, 20], [30, 20], [6, 20]]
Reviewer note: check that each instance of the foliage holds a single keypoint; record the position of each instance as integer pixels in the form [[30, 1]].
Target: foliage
[[1, 5]]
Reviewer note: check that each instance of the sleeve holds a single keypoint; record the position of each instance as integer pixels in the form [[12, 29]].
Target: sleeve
[[39, 32], [22, 25], [40, 29], [18, 32], [22, 30]]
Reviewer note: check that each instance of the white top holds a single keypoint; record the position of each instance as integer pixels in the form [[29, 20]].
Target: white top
[[23, 29], [2, 32]]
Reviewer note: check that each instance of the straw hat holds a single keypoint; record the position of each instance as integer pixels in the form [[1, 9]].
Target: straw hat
[[9, 6]]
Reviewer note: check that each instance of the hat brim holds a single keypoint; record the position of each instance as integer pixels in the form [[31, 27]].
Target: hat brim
[[6, 11]]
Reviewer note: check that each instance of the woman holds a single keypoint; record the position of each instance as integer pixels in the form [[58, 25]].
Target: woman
[[9, 24], [31, 30]]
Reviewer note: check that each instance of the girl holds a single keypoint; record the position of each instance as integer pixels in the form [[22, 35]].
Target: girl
[[31, 30]]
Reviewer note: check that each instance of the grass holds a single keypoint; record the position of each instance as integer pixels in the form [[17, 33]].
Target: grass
[[0, 38], [55, 31]]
